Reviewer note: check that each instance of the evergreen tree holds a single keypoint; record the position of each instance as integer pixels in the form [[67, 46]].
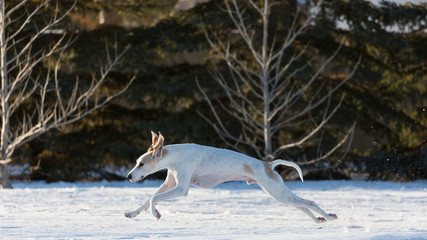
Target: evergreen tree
[[387, 95]]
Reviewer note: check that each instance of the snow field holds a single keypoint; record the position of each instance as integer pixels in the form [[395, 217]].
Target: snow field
[[366, 210]]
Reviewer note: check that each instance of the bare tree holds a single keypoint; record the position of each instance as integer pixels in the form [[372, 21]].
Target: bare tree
[[52, 107], [262, 87]]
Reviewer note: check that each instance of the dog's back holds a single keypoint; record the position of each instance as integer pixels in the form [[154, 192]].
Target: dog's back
[[210, 166]]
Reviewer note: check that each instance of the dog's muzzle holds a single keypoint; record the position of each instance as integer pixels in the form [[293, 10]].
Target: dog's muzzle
[[129, 176]]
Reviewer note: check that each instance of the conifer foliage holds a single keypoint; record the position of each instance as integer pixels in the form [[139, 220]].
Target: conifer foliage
[[386, 96]]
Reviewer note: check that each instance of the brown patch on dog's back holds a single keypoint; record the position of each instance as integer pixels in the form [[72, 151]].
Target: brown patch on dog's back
[[248, 169], [269, 171]]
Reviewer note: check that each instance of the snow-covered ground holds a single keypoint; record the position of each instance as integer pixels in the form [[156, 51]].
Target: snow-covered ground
[[366, 210]]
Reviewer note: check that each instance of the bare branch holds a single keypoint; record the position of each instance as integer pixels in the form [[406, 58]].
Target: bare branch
[[309, 135], [9, 12], [349, 135], [242, 28], [262, 88], [20, 83]]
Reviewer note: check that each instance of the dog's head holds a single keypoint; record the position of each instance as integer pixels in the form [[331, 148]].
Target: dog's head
[[148, 162]]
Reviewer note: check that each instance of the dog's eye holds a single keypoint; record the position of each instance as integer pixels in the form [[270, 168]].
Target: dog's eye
[[140, 164]]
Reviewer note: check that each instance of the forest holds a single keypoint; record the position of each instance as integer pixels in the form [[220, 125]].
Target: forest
[[350, 82]]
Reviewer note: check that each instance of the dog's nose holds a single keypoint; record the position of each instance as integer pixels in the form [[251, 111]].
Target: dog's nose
[[129, 176]]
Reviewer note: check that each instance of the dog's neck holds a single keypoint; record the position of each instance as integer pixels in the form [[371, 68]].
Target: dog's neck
[[166, 160]]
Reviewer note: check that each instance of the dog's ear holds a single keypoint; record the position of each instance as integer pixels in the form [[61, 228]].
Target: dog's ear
[[161, 137], [158, 148], [154, 138]]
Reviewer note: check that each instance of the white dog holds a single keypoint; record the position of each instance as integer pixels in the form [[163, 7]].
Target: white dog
[[202, 166]]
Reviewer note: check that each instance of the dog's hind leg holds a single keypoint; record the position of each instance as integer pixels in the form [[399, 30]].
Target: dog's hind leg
[[166, 186], [281, 193], [304, 203], [310, 214]]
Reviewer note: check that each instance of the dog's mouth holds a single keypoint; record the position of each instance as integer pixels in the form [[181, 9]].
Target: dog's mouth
[[131, 177], [140, 179], [137, 180]]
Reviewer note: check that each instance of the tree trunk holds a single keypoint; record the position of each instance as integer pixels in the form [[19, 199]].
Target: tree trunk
[[4, 138], [268, 148], [4, 177]]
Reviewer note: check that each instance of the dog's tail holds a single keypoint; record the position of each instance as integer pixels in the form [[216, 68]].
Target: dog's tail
[[289, 164]]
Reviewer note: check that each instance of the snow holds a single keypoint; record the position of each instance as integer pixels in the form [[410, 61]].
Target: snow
[[366, 210], [377, 2]]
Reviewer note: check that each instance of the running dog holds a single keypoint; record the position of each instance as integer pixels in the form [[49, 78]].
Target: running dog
[[205, 167]]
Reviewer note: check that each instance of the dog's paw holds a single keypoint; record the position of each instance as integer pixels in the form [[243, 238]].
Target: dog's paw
[[333, 215], [131, 214], [321, 219], [156, 214]]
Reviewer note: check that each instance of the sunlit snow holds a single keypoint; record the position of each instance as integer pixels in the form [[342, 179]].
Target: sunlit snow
[[366, 210]]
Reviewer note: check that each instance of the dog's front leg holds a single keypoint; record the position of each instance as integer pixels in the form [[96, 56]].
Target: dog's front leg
[[181, 189], [166, 186]]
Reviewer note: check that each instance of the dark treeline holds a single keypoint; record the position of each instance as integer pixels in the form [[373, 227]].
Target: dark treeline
[[386, 97]]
